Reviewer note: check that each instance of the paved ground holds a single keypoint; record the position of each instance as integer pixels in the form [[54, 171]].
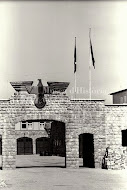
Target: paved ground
[[58, 178]]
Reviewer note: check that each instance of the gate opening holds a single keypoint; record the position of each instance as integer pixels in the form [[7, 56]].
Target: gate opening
[[45, 146], [86, 150]]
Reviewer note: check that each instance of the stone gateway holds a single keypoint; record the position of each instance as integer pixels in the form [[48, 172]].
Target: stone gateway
[[65, 127]]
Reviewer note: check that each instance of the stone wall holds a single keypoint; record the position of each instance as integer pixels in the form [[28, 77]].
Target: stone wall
[[79, 116], [90, 118], [116, 121]]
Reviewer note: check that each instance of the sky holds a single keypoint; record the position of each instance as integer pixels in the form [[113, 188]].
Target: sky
[[37, 41]]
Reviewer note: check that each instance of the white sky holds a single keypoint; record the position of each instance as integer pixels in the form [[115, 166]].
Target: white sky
[[37, 41]]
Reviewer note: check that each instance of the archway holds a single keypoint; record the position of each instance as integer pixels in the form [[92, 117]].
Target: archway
[[45, 141], [86, 149], [24, 146]]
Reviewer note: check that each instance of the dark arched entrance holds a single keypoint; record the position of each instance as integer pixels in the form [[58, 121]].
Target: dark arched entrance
[[24, 146], [43, 146], [86, 149]]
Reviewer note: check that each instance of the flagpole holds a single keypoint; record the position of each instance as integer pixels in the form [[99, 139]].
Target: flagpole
[[90, 86], [75, 85], [75, 68]]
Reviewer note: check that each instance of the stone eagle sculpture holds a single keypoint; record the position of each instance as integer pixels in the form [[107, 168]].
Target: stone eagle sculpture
[[39, 101]]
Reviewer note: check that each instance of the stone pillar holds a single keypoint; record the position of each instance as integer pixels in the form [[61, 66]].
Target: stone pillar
[[8, 148], [72, 147], [34, 146], [99, 149]]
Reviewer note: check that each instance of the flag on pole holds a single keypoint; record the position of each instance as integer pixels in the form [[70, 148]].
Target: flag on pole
[[75, 57], [93, 63], [92, 56]]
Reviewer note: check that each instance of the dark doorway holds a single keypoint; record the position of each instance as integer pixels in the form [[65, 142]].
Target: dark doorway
[[43, 146], [0, 145], [86, 149], [124, 137], [124, 142], [24, 146]]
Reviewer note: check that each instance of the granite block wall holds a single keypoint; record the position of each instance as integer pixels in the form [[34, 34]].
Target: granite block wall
[[79, 116], [116, 121]]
